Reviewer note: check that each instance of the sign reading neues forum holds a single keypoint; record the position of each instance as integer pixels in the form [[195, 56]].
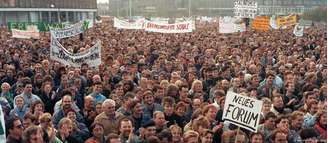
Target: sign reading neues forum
[[242, 111]]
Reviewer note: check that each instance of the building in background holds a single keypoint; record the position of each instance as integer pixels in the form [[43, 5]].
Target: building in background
[[179, 8], [283, 7], [52, 11]]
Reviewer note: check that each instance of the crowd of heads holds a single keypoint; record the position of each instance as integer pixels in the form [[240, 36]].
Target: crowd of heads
[[165, 88]]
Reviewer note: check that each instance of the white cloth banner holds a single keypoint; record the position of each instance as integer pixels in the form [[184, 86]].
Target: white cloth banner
[[242, 111], [25, 34], [230, 25], [245, 8], [183, 19], [124, 24], [31, 31], [305, 23], [181, 27], [91, 56], [298, 30], [69, 31]]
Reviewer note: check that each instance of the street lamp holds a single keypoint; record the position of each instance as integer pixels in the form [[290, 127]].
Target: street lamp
[[58, 12], [130, 9], [117, 8]]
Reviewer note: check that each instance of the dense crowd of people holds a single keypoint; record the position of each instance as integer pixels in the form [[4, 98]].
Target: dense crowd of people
[[165, 88]]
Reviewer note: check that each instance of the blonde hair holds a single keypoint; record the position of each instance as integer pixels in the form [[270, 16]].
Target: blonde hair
[[201, 121], [196, 82], [178, 83], [190, 134], [164, 83], [45, 116], [266, 100], [176, 127], [64, 121]]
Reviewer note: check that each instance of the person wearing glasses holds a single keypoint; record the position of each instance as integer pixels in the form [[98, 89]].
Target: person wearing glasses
[[14, 130]]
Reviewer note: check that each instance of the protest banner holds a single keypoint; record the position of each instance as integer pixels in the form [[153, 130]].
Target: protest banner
[[298, 30], [286, 21], [182, 27], [226, 25], [67, 31], [273, 22], [126, 24], [88, 23], [31, 33], [245, 9], [25, 34], [260, 23], [230, 25], [242, 111], [91, 56], [305, 23], [182, 19], [41, 26]]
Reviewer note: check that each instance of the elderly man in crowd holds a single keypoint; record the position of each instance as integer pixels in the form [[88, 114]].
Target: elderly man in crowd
[[109, 118]]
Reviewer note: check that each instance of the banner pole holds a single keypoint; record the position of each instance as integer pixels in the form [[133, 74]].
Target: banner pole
[[236, 139]]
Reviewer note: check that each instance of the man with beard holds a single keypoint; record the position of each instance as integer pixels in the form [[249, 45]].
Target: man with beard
[[6, 96], [27, 94], [65, 106], [126, 131]]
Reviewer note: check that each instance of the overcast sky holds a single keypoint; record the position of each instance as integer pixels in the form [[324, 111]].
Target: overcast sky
[[102, 1]]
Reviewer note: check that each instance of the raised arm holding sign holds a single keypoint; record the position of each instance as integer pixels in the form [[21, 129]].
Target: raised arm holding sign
[[242, 111]]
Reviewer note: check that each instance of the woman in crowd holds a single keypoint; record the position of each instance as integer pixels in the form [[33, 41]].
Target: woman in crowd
[[37, 109], [97, 134]]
